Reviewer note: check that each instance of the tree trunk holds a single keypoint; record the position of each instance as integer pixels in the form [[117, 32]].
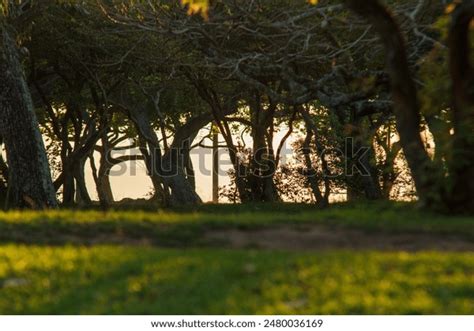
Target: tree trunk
[[219, 112], [310, 172], [82, 195], [312, 132], [215, 166], [176, 168], [170, 167], [3, 178], [30, 183], [404, 94], [368, 179], [102, 180], [105, 189], [69, 187], [461, 165], [261, 177], [162, 192]]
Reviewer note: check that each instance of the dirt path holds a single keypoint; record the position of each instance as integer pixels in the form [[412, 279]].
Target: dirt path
[[277, 237], [321, 238]]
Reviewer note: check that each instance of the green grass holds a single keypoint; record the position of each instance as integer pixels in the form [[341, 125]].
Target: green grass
[[50, 263], [127, 280], [186, 226]]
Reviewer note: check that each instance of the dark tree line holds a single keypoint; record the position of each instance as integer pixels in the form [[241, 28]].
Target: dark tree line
[[100, 77]]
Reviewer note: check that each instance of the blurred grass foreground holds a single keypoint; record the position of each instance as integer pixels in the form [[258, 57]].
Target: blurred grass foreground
[[187, 261]]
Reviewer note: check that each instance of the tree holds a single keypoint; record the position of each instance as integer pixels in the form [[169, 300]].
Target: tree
[[462, 75], [442, 183], [435, 188], [154, 75], [29, 177]]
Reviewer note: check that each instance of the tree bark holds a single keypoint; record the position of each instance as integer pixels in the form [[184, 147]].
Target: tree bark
[[263, 167], [104, 189], [170, 167], [312, 132], [310, 172], [461, 165], [30, 184], [102, 180], [162, 192], [82, 194], [69, 187], [215, 166]]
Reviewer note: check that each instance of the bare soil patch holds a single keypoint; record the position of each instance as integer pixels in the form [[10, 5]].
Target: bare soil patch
[[322, 238]]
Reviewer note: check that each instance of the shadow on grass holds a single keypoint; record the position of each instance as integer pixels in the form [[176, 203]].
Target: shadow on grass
[[127, 280], [186, 227]]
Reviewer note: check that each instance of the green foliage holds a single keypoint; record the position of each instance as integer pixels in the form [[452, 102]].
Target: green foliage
[[119, 280]]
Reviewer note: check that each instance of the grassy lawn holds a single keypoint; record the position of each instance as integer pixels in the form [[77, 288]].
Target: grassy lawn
[[175, 227], [50, 263], [131, 280]]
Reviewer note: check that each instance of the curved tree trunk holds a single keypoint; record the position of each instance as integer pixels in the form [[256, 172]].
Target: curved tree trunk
[[462, 159], [102, 181], [104, 188], [263, 167], [404, 94], [310, 172], [219, 112], [162, 192], [311, 132], [30, 183], [170, 167], [176, 168]]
